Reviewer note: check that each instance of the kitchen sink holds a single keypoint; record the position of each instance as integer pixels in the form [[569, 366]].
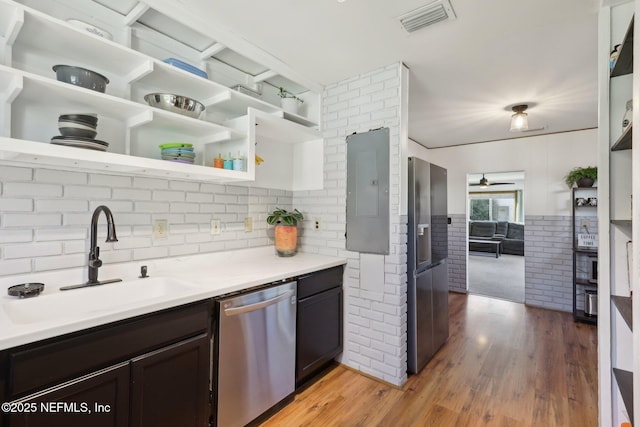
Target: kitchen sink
[[94, 300]]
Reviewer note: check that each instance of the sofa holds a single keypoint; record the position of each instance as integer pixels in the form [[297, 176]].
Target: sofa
[[510, 233]]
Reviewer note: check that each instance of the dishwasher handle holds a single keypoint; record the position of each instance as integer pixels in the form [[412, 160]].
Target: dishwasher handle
[[234, 311]]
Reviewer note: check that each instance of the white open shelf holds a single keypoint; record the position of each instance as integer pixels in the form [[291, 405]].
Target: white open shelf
[[33, 41]]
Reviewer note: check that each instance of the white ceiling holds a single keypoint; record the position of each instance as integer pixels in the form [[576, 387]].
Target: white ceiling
[[464, 73]]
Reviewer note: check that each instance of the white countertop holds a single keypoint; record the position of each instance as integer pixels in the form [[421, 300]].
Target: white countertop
[[172, 282]]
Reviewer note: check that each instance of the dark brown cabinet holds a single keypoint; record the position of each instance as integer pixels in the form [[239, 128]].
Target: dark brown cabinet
[[100, 399], [174, 382], [148, 371], [319, 322]]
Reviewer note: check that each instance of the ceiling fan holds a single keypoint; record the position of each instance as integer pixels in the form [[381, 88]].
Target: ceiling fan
[[484, 183]]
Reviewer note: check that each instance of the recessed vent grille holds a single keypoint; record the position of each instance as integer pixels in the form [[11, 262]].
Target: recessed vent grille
[[437, 11]]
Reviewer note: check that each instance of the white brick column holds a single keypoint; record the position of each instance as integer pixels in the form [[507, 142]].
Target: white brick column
[[375, 321]]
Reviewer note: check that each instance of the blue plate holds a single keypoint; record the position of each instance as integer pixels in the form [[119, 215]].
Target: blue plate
[[186, 67]]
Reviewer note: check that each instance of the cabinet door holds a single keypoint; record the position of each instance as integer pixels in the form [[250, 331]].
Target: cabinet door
[[319, 332], [170, 386], [100, 399]]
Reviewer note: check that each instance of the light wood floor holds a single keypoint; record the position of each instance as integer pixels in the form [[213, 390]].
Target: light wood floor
[[505, 364]]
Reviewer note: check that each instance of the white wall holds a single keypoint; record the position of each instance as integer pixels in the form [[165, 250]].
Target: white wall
[[545, 161]]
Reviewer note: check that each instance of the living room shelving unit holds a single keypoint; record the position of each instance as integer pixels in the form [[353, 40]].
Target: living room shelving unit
[[619, 197], [582, 256]]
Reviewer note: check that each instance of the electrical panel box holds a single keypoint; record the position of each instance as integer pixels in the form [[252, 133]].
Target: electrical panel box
[[368, 192]]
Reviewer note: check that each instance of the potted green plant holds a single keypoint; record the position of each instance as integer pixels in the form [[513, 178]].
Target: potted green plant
[[289, 102], [581, 176], [286, 230]]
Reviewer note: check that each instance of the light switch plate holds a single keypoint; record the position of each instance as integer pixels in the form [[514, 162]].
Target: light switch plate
[[160, 228], [248, 224], [215, 226]]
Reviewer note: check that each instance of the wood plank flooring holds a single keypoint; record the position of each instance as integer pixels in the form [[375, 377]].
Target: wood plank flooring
[[504, 365]]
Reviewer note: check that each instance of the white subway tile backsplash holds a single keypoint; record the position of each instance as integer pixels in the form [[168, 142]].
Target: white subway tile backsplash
[[15, 236], [60, 262], [53, 232], [75, 247], [11, 173], [18, 266], [87, 192], [31, 250], [16, 205], [115, 256], [59, 234], [151, 183], [199, 197], [152, 207], [61, 205], [184, 185], [169, 196], [27, 220], [149, 253], [110, 180], [131, 194], [184, 207], [31, 189], [60, 177]]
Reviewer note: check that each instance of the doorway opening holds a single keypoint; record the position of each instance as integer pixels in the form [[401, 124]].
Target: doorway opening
[[495, 247]]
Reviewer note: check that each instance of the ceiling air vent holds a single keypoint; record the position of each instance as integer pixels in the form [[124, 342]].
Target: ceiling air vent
[[437, 11]]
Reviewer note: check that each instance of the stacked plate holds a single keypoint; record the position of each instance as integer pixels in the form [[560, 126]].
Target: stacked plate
[[79, 130], [178, 152]]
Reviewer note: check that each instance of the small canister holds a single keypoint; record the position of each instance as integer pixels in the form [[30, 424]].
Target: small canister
[[238, 163], [218, 162], [228, 162]]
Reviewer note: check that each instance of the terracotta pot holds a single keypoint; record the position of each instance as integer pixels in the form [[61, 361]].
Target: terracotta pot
[[286, 239]]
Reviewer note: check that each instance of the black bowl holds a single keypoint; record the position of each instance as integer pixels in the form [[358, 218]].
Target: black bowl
[[80, 118]]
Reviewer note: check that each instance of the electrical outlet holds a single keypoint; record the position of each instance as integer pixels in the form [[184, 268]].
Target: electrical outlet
[[160, 228], [215, 226], [317, 224], [248, 224]]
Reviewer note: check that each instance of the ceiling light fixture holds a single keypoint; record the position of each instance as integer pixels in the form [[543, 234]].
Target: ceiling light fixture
[[519, 121]]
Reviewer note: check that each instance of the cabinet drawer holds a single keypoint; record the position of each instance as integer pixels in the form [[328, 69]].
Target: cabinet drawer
[[318, 333], [319, 281], [36, 366]]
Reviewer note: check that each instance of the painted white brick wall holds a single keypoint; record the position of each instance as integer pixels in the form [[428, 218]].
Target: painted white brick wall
[[548, 262], [457, 253], [45, 216], [375, 322], [548, 259]]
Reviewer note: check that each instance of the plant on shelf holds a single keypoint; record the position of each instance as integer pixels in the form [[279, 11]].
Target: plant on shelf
[[286, 230], [289, 102], [582, 177], [284, 94]]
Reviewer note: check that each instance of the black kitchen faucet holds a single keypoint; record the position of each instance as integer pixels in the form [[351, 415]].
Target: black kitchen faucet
[[94, 251]]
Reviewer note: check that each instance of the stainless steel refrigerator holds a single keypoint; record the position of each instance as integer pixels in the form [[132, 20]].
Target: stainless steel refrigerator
[[427, 277]]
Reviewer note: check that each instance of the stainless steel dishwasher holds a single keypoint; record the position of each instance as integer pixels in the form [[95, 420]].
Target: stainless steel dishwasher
[[256, 353]]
